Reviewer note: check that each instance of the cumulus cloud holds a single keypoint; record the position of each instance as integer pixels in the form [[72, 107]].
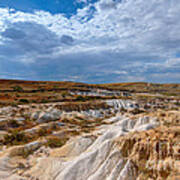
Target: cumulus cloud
[[112, 39], [81, 1], [173, 62], [107, 4], [67, 39], [13, 34]]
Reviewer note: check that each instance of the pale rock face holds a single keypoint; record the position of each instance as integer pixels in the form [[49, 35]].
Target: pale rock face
[[114, 119], [35, 115], [86, 164], [33, 145], [118, 104], [7, 110], [107, 166], [32, 130], [146, 127], [73, 114], [20, 119], [114, 174], [95, 156], [129, 172], [74, 147], [49, 116], [19, 150], [3, 119], [2, 135], [93, 159], [5, 171]]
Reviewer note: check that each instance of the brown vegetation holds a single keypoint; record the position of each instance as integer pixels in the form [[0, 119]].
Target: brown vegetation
[[156, 152], [13, 92]]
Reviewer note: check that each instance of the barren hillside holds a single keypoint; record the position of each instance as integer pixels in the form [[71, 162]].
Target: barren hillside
[[76, 131]]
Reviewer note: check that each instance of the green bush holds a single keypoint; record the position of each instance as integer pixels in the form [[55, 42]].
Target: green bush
[[15, 138], [64, 94], [81, 98], [56, 142], [17, 95], [42, 132], [44, 101], [23, 101], [177, 103], [13, 123], [17, 88]]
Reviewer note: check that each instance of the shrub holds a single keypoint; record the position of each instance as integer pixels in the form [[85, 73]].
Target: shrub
[[136, 111], [55, 142], [26, 152], [81, 98], [17, 88], [42, 132], [64, 94], [17, 95], [13, 123], [15, 138], [123, 109], [44, 101], [14, 104], [177, 103], [23, 101]]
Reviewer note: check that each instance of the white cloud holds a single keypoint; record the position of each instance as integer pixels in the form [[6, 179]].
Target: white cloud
[[128, 32], [81, 1], [175, 62]]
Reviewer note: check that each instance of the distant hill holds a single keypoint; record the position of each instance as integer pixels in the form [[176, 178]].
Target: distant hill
[[20, 91]]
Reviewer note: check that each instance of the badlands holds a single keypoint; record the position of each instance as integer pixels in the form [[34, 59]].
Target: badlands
[[94, 133]]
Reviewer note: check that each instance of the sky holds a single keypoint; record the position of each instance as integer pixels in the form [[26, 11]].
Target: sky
[[92, 41]]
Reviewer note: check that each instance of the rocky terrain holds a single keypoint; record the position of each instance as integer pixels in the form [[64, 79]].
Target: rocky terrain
[[112, 137]]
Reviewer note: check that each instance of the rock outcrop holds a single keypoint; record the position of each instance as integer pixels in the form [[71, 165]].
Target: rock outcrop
[[92, 157], [123, 147]]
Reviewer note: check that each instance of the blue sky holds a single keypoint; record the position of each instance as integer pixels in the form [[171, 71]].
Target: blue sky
[[94, 41], [66, 7]]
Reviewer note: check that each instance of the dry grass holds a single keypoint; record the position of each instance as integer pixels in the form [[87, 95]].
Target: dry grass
[[13, 92], [155, 152]]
